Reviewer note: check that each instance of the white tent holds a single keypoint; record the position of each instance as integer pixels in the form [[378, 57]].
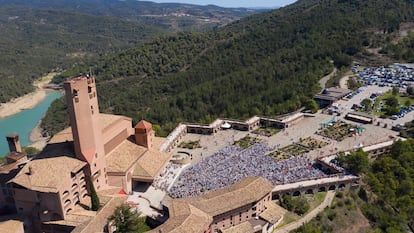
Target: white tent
[[226, 126]]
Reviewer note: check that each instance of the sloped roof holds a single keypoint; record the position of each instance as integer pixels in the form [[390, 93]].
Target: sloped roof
[[124, 156], [273, 213], [66, 134], [11, 226], [244, 227], [248, 190], [46, 175], [150, 164], [144, 125], [184, 218], [196, 214]]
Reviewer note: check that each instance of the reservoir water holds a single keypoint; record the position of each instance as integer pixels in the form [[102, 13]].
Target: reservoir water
[[23, 122]]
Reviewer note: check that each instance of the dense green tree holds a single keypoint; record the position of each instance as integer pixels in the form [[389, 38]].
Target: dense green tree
[[367, 104], [127, 220], [299, 205], [96, 204], [410, 90], [311, 105], [395, 91], [357, 162]]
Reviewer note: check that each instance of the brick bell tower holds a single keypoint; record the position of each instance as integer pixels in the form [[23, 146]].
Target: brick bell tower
[[86, 126]]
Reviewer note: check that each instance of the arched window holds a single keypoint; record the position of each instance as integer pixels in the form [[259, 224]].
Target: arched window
[[66, 192]]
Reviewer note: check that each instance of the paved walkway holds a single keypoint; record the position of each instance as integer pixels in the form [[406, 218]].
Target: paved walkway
[[294, 225]]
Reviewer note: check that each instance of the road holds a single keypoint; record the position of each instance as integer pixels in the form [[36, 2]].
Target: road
[[296, 224], [322, 81]]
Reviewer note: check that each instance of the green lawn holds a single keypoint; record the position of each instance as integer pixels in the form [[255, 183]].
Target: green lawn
[[317, 199]]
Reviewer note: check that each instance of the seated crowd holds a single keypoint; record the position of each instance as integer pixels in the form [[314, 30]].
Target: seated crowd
[[233, 163]]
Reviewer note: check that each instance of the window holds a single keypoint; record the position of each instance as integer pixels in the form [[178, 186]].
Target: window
[[65, 193], [75, 92]]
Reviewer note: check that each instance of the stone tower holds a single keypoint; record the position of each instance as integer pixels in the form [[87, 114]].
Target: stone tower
[[14, 143], [144, 134], [86, 126]]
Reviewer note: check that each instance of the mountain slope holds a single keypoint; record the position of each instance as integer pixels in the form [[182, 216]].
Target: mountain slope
[[266, 64], [35, 41], [170, 16], [38, 36]]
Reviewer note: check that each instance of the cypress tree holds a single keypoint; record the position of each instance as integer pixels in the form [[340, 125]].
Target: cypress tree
[[94, 197]]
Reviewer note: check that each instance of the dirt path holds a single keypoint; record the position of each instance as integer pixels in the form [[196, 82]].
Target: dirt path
[[322, 81], [343, 82], [296, 224]]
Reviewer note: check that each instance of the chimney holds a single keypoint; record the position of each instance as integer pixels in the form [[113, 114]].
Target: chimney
[[30, 171], [14, 143]]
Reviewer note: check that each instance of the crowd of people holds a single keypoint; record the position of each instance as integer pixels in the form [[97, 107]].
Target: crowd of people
[[233, 163], [167, 176]]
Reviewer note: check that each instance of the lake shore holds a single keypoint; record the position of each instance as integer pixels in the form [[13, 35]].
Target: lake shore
[[27, 101], [36, 137], [30, 101]]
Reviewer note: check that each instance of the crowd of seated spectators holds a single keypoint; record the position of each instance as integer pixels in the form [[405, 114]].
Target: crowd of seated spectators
[[233, 163]]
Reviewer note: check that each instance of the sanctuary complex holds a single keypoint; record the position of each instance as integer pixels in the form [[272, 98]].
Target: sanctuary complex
[[99, 150]]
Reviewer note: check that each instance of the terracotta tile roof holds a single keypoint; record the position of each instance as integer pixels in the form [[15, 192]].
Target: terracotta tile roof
[[184, 218], [16, 155], [47, 174], [273, 213], [99, 221], [248, 190], [157, 142], [73, 220], [62, 136], [144, 125], [244, 227], [66, 134], [124, 156], [5, 169], [108, 119], [150, 164], [196, 214], [11, 226]]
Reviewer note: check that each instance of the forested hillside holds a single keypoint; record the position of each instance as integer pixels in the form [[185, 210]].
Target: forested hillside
[[38, 36], [385, 198], [34, 42], [169, 16], [265, 64]]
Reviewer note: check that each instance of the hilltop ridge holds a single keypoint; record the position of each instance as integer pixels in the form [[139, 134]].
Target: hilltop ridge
[[263, 64]]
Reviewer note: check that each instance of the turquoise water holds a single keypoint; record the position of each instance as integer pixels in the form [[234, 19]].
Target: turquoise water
[[23, 122]]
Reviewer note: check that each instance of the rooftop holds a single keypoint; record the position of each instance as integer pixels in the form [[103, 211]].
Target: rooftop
[[246, 191], [46, 175], [244, 227], [98, 222], [124, 156], [144, 125], [11, 226], [196, 214], [66, 134], [150, 164], [273, 213]]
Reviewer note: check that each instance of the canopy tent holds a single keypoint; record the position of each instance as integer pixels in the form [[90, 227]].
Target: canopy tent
[[226, 126]]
